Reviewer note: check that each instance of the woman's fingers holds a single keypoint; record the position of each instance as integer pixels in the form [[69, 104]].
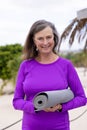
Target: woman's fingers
[[54, 108]]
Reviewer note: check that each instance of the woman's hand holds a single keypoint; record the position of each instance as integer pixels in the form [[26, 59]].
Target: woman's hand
[[54, 108]]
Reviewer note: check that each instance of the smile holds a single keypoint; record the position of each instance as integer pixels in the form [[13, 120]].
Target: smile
[[46, 46]]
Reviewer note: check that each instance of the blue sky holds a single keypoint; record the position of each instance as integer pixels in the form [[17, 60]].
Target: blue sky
[[16, 16]]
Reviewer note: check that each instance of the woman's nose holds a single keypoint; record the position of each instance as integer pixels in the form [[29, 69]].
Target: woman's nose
[[45, 41]]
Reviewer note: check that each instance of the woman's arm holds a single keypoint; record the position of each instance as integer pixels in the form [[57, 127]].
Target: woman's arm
[[18, 101], [75, 85]]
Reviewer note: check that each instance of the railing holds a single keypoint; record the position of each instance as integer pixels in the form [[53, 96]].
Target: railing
[[21, 120]]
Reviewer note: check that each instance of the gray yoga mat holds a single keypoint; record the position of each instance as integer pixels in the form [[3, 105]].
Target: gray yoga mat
[[50, 98]]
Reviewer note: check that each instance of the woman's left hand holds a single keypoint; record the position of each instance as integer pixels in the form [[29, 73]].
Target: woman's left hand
[[54, 108]]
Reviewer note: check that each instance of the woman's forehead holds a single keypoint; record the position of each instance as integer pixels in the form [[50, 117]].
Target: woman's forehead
[[46, 31]]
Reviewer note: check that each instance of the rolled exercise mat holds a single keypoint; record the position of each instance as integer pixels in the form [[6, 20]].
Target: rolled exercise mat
[[51, 98]]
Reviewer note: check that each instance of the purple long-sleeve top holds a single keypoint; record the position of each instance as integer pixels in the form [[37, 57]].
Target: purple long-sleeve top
[[34, 77]]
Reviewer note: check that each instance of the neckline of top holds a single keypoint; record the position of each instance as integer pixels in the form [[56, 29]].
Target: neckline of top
[[46, 64]]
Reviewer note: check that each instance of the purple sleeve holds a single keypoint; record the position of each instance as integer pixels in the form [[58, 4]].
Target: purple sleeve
[[77, 88], [19, 102]]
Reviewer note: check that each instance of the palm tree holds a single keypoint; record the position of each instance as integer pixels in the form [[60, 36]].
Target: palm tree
[[77, 28]]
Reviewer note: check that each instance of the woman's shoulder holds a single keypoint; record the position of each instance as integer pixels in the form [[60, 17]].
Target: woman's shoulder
[[66, 64], [65, 60], [26, 62]]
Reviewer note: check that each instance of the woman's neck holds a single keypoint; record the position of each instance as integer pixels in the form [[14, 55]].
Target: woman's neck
[[47, 58]]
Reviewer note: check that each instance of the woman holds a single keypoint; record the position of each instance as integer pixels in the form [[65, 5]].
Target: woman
[[44, 70]]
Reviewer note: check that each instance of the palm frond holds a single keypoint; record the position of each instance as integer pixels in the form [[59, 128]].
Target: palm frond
[[82, 30], [76, 28], [85, 47], [66, 32], [72, 36], [68, 29]]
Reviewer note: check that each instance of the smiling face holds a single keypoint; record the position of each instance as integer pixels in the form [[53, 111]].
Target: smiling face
[[44, 41]]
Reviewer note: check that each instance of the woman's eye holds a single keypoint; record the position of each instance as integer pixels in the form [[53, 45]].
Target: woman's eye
[[48, 38], [40, 39]]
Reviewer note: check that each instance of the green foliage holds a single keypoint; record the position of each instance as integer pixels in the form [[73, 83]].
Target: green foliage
[[79, 59], [4, 71], [13, 66], [10, 58]]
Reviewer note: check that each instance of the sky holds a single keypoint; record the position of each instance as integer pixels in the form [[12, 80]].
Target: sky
[[17, 16]]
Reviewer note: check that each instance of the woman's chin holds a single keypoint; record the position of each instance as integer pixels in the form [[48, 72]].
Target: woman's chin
[[46, 51]]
